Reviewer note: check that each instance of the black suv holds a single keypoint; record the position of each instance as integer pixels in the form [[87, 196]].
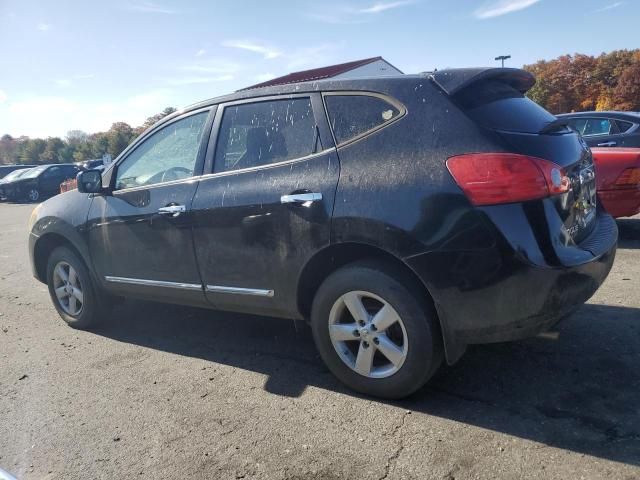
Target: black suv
[[39, 182], [406, 217], [606, 129]]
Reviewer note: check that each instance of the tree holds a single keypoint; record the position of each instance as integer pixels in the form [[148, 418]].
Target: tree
[[52, 149], [627, 90], [8, 149], [30, 150], [118, 137]]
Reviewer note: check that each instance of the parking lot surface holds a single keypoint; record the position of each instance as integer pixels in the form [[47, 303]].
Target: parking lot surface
[[172, 392]]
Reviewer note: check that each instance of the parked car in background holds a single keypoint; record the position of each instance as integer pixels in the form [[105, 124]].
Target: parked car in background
[[97, 164], [618, 179], [606, 129], [10, 178], [403, 237], [40, 182], [7, 169]]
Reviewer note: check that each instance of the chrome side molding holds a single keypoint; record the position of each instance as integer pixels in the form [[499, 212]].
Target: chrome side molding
[[240, 291], [153, 283]]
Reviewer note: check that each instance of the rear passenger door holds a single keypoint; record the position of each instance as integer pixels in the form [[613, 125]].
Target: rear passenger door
[[265, 208]]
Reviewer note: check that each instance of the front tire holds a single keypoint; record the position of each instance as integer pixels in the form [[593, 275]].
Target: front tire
[[376, 331], [72, 290]]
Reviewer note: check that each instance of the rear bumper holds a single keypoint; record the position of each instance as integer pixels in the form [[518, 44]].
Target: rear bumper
[[622, 202], [500, 294]]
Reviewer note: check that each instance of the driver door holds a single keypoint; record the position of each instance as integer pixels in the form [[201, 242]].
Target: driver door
[[140, 235]]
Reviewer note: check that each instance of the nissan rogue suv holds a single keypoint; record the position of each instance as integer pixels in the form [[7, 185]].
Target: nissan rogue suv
[[405, 217]]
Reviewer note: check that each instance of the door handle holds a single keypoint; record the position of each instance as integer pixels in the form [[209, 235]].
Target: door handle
[[608, 144], [301, 198], [172, 210]]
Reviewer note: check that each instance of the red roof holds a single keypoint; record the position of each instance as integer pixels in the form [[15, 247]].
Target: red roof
[[316, 73]]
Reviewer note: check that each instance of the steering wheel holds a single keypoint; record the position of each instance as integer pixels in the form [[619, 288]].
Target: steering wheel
[[173, 173]]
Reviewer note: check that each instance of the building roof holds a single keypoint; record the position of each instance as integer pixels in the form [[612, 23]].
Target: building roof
[[317, 73]]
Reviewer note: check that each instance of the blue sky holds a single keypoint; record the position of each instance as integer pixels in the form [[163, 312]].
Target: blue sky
[[84, 65]]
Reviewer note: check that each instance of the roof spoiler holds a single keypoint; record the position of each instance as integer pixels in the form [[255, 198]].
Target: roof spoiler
[[453, 80]]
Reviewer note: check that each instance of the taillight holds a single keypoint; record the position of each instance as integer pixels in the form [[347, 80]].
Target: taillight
[[629, 177], [492, 178]]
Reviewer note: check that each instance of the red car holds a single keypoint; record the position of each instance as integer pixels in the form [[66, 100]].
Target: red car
[[618, 179]]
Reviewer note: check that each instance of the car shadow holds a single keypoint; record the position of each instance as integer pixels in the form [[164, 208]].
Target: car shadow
[[576, 387], [629, 232]]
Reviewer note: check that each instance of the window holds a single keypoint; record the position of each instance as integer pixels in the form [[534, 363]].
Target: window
[[596, 126], [353, 115], [169, 154], [52, 172], [624, 126], [255, 134]]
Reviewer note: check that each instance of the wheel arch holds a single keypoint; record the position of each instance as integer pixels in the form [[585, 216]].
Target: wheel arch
[[46, 244]]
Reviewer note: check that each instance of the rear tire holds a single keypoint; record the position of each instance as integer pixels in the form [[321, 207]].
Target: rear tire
[[391, 345], [72, 290]]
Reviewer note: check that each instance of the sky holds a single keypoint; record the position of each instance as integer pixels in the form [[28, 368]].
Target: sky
[[70, 64]]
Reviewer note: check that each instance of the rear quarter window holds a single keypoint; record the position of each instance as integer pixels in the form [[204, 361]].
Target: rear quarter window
[[352, 116]]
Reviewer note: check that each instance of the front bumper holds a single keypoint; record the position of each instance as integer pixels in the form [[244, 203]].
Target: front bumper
[[499, 294]]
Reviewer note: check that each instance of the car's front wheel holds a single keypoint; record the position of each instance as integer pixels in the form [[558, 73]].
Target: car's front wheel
[[72, 290], [375, 330]]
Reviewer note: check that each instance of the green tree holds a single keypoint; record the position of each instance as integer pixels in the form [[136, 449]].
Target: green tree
[[8, 149], [30, 150], [51, 153], [118, 137]]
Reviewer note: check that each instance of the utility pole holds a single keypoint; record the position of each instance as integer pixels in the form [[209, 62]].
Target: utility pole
[[503, 58]]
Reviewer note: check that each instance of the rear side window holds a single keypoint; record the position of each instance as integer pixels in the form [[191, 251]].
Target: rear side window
[[624, 126], [256, 134], [354, 115], [597, 126], [497, 105]]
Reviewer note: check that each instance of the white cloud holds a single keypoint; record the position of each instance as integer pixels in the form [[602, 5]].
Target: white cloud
[[264, 77], [383, 6], [149, 7], [55, 115], [43, 27], [200, 52], [197, 80], [3, 96], [609, 7], [502, 7], [212, 66], [267, 52]]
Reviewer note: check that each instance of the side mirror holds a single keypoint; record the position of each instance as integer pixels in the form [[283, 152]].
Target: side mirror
[[90, 181]]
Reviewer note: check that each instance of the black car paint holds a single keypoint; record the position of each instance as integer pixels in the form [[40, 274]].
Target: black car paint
[[494, 273], [7, 169], [627, 139], [47, 185]]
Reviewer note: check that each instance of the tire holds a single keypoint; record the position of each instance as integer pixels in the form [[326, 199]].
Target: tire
[[32, 195], [415, 334], [83, 310]]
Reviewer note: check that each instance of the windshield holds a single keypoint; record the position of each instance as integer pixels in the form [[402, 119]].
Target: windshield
[[15, 174], [34, 172]]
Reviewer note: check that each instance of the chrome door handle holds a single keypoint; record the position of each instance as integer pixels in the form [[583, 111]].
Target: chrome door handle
[[172, 210], [608, 144], [301, 198]]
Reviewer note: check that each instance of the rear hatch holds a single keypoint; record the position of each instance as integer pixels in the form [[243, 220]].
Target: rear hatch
[[495, 100]]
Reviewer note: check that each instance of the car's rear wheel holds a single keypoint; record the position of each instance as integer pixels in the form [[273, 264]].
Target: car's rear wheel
[[72, 290], [33, 194], [375, 330]]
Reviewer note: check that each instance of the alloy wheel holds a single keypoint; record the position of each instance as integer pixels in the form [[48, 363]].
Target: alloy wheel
[[368, 334], [33, 195], [68, 289]]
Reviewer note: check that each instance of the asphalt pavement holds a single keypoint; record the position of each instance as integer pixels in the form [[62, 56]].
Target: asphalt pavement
[[172, 392]]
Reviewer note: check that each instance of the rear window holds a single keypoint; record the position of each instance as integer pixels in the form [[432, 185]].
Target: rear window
[[624, 126], [499, 106], [354, 115]]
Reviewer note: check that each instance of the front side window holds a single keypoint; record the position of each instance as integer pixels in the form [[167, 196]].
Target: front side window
[[169, 154], [597, 126], [256, 134], [354, 115]]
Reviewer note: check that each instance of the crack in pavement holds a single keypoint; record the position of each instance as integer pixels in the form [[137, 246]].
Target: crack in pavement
[[394, 456]]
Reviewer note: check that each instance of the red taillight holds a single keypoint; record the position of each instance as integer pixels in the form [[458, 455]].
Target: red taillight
[[491, 178], [629, 177]]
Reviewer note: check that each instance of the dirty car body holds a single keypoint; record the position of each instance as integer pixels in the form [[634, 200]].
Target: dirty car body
[[494, 262]]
